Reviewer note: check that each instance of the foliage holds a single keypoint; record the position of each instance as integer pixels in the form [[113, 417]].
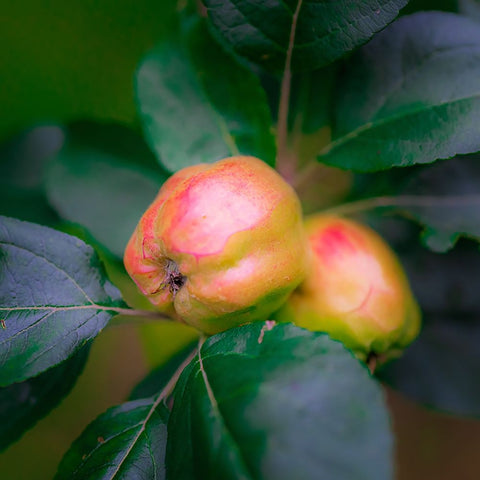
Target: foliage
[[361, 86]]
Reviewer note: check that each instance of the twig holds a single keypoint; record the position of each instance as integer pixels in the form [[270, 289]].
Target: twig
[[284, 160], [403, 201], [140, 313]]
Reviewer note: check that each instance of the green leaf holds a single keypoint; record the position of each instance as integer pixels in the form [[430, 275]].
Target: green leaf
[[75, 59], [310, 121], [125, 442], [277, 402], [448, 205], [54, 298], [322, 31], [194, 113], [157, 379], [311, 100], [410, 96], [23, 404], [443, 198], [101, 188]]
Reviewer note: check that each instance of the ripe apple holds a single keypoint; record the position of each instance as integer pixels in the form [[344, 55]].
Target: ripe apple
[[221, 245], [356, 289]]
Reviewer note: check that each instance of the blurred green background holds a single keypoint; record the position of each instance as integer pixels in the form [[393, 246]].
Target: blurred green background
[[76, 59]]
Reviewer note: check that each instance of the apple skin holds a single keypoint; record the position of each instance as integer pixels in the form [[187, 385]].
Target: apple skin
[[356, 290], [221, 245]]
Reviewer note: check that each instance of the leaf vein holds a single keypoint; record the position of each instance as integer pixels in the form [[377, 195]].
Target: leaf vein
[[50, 263]]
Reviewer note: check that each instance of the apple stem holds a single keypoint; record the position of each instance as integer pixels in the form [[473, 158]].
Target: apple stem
[[372, 362]]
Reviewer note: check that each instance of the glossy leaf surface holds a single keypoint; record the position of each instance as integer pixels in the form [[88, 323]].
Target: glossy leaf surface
[[279, 402], [321, 31]]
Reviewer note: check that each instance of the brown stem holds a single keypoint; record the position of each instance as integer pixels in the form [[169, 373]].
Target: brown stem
[[403, 201], [168, 389], [372, 362], [285, 160], [140, 313]]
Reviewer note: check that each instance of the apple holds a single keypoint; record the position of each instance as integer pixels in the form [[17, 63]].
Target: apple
[[356, 289], [221, 245]]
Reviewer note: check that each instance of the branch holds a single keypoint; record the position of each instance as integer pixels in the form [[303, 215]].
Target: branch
[[403, 201], [284, 160]]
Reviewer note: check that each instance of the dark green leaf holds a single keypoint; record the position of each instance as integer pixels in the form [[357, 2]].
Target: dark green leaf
[[310, 123], [23, 158], [443, 198], [156, 380], [54, 298], [441, 368], [198, 105], [449, 205], [27, 205], [410, 96], [23, 404], [323, 31], [22, 161], [422, 5], [126, 442], [445, 284], [103, 189], [115, 139], [311, 100], [277, 403]]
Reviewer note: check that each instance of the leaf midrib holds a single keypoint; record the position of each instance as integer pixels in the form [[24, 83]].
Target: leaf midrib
[[219, 415], [427, 58], [387, 120]]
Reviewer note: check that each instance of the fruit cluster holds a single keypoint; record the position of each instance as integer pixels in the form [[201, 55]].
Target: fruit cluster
[[225, 244]]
